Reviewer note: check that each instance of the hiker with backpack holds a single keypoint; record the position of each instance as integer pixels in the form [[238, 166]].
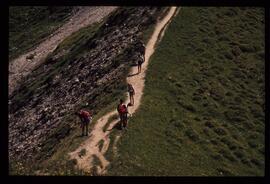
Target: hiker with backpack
[[131, 93], [141, 55], [142, 50], [139, 64], [85, 118], [123, 112], [125, 122]]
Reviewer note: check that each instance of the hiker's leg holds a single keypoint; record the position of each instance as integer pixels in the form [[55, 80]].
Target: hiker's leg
[[125, 121], [120, 115], [87, 128], [124, 124], [83, 129], [121, 120]]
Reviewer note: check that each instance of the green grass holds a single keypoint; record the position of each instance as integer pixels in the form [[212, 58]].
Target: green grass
[[202, 113], [28, 26], [82, 152], [100, 144]]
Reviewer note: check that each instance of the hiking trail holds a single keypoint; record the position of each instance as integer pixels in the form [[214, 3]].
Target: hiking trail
[[91, 145], [85, 16]]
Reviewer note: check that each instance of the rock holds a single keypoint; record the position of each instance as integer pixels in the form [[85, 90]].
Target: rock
[[77, 80]]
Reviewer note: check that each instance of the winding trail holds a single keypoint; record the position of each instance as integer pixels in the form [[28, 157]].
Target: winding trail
[[91, 145], [21, 67]]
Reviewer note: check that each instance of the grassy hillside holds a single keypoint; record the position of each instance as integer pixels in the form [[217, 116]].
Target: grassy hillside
[[202, 112], [29, 25]]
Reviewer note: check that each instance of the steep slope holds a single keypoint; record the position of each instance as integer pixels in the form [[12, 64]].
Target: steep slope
[[202, 111], [22, 65], [90, 71], [29, 25], [92, 145]]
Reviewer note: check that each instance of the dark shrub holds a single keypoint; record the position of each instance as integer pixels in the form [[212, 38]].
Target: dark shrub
[[220, 131], [224, 172], [226, 154], [209, 124], [192, 135], [256, 162], [196, 98], [213, 141], [252, 144], [206, 131], [245, 161], [261, 54], [239, 154], [236, 51], [246, 48], [228, 55], [216, 157]]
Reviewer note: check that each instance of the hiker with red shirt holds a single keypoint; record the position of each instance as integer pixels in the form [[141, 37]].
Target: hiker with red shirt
[[85, 118], [123, 111]]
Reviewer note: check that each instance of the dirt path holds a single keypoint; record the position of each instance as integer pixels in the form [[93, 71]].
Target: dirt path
[[91, 145], [20, 67]]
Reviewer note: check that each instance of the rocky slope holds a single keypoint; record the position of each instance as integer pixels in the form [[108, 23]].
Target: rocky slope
[[41, 109], [84, 16]]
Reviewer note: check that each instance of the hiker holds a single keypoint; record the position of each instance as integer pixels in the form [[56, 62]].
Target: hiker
[[131, 92], [122, 110], [86, 118], [142, 50], [125, 120], [140, 62]]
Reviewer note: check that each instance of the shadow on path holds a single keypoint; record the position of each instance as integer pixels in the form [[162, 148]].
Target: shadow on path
[[130, 75], [116, 126]]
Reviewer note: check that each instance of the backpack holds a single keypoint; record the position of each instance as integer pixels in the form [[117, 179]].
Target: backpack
[[130, 89], [122, 108], [85, 115]]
